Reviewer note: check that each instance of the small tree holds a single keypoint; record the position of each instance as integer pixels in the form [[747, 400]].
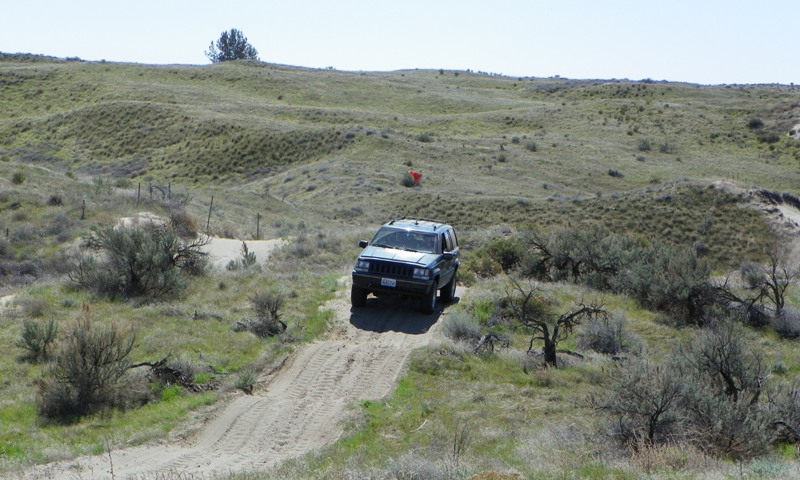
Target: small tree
[[232, 45], [527, 309]]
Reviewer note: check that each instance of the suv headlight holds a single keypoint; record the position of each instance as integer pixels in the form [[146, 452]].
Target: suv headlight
[[422, 273], [362, 265]]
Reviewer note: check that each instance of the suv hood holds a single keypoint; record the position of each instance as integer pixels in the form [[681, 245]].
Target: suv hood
[[395, 255]]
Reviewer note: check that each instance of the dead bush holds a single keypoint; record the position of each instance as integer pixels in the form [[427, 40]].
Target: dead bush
[[183, 223]]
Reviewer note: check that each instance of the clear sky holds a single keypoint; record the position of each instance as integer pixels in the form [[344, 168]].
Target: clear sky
[[697, 41]]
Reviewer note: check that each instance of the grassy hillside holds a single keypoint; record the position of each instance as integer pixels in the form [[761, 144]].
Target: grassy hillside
[[308, 154]]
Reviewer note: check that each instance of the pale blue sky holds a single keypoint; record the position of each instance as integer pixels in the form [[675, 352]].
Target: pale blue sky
[[709, 42]]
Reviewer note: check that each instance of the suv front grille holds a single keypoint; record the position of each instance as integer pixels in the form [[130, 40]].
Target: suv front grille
[[393, 269]]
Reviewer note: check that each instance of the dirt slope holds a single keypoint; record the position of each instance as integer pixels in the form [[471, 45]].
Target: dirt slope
[[299, 408]]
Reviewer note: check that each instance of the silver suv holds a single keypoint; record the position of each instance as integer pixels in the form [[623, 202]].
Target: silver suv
[[408, 258]]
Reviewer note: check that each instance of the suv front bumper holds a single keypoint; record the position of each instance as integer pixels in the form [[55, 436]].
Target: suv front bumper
[[402, 286]]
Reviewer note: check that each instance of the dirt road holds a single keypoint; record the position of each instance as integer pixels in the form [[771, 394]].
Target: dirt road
[[299, 408]]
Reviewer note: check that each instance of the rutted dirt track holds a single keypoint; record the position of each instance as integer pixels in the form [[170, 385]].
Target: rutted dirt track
[[299, 408]]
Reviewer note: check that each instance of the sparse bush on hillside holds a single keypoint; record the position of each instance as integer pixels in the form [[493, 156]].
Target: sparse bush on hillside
[[645, 145], [424, 137], [669, 280], [711, 395], [462, 327], [33, 307], [134, 261], [667, 147], [787, 323], [532, 146], [407, 180], [37, 338], [266, 305], [87, 369], [508, 252], [755, 123], [246, 261], [769, 282], [724, 414], [644, 402], [183, 223], [609, 335], [18, 178]]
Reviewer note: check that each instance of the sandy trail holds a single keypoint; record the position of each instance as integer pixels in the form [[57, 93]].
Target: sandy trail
[[300, 408]]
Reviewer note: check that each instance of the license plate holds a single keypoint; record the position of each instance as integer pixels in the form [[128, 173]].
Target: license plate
[[388, 282]]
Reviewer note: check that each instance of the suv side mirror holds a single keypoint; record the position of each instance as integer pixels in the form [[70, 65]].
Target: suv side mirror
[[448, 255], [363, 243]]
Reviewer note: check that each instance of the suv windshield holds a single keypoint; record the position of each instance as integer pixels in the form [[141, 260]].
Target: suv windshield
[[404, 240]]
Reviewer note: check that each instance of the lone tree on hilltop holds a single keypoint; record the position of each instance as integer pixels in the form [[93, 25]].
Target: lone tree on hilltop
[[232, 45]]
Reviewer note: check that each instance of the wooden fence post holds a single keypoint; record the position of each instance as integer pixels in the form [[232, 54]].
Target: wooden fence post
[[210, 206]]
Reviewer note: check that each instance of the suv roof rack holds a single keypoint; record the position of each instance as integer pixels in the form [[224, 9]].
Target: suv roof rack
[[416, 220]]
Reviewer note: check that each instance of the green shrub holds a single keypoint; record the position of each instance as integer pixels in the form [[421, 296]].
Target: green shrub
[[667, 148], [608, 335], [18, 178], [36, 338], [137, 261], [643, 400], [532, 147], [246, 261], [787, 323], [645, 145], [246, 380], [461, 326], [424, 137], [508, 252], [86, 371], [407, 180], [266, 305]]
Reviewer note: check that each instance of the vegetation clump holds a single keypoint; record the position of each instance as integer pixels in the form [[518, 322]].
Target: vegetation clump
[[87, 370], [131, 261]]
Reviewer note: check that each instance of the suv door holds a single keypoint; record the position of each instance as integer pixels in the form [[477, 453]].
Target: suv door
[[449, 265]]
